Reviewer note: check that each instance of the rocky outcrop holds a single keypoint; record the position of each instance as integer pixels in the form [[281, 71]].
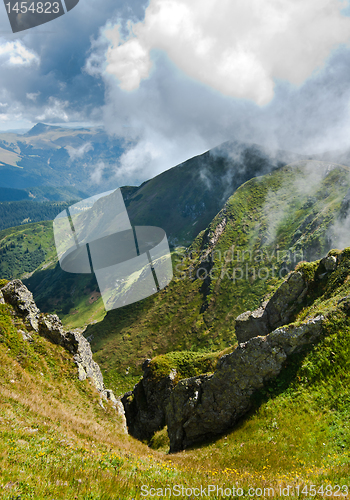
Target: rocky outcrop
[[203, 406], [145, 405], [18, 295], [50, 327], [283, 305], [276, 312]]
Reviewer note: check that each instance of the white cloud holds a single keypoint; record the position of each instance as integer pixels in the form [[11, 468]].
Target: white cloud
[[96, 175], [56, 110], [16, 54], [238, 48], [78, 153]]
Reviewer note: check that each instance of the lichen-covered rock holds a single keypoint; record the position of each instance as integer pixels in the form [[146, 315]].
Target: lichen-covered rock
[[2, 300], [276, 312], [145, 405], [203, 406], [18, 295], [284, 301]]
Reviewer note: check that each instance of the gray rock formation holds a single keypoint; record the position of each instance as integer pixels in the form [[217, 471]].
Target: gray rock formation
[[50, 327], [18, 295], [276, 312], [203, 406], [145, 405]]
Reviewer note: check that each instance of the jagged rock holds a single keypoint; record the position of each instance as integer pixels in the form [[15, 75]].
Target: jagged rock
[[87, 367], [276, 312], [50, 327], [330, 263], [145, 405], [203, 406], [18, 295], [2, 300]]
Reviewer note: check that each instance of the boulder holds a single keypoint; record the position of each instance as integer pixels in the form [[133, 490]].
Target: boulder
[[251, 324], [330, 263]]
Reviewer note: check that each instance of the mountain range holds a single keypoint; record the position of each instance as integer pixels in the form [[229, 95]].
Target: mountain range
[[243, 223], [57, 157]]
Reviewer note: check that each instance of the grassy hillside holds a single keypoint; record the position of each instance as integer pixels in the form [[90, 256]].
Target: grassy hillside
[[182, 200], [58, 442], [25, 248], [268, 226]]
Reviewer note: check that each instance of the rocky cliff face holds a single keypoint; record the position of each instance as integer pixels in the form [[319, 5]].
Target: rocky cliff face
[[274, 313], [50, 327], [145, 405], [203, 406]]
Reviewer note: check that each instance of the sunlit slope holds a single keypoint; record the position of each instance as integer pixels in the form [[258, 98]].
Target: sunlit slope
[[270, 224], [182, 201], [299, 424], [58, 442]]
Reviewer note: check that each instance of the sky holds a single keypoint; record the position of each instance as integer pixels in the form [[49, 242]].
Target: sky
[[179, 77]]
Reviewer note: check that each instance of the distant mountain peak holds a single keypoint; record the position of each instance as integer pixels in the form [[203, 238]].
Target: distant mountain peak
[[40, 128]]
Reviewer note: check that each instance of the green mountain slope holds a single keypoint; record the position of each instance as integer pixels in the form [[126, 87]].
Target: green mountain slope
[[15, 213], [182, 200], [58, 442], [269, 225]]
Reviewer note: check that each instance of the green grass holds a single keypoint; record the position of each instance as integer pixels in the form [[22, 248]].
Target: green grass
[[271, 225], [57, 441]]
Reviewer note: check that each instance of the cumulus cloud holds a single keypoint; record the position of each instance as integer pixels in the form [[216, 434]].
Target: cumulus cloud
[[17, 54], [238, 48]]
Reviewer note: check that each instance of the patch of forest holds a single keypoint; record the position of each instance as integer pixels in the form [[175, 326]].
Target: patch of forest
[[16, 213]]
